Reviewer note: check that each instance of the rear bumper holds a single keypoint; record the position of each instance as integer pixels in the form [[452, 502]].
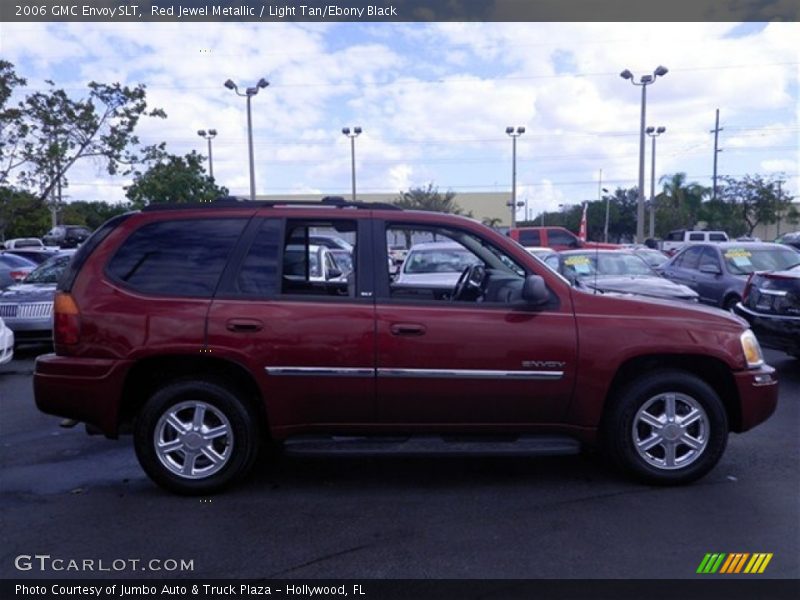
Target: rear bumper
[[85, 389], [773, 331], [758, 396]]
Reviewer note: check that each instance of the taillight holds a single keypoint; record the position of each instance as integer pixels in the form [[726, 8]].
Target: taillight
[[18, 275], [66, 319]]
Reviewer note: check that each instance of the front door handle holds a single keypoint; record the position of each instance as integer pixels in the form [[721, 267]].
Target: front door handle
[[244, 325], [407, 329]]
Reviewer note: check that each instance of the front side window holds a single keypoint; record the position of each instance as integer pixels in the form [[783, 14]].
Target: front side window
[[176, 258], [557, 237], [530, 238], [446, 265]]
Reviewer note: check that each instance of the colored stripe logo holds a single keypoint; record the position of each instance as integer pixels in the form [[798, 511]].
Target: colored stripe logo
[[737, 562]]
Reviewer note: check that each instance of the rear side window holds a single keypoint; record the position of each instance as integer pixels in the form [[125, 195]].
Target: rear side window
[[696, 237], [717, 237], [176, 258], [529, 238]]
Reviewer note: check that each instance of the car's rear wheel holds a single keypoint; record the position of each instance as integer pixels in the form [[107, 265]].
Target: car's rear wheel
[[195, 437], [667, 427]]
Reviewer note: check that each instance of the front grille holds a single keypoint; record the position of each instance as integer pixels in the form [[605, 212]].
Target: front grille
[[33, 310]]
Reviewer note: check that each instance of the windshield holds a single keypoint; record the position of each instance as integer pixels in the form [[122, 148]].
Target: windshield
[[745, 260], [49, 271], [605, 264], [439, 260]]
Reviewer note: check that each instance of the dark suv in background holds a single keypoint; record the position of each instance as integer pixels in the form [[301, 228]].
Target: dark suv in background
[[66, 236], [196, 328]]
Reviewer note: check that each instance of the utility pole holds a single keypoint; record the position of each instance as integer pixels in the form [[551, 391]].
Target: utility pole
[[780, 194], [717, 150]]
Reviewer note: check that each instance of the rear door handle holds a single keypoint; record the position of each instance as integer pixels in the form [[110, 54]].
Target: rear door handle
[[407, 329], [244, 325]]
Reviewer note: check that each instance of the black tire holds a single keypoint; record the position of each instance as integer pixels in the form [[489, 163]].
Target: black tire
[[626, 423], [730, 302], [228, 432]]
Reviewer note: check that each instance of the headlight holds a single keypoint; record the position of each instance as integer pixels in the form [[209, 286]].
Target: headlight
[[751, 349]]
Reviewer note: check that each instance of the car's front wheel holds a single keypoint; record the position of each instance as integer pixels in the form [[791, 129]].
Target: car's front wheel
[[667, 427], [195, 437]]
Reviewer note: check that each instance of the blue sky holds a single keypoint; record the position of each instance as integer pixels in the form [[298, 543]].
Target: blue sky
[[434, 100]]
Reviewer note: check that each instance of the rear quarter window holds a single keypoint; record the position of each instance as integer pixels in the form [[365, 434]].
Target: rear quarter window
[[176, 258]]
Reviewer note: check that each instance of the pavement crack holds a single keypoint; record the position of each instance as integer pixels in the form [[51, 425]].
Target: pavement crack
[[319, 559]]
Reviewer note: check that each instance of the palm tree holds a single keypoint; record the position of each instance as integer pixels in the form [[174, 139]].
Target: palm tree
[[679, 202]]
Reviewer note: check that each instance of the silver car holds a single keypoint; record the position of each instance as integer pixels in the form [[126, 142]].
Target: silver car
[[27, 307], [434, 265]]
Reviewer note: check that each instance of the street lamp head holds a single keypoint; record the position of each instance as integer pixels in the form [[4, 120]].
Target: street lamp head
[[509, 130], [661, 130], [346, 130], [626, 74], [605, 190], [262, 83], [201, 132], [212, 132], [650, 130], [357, 130], [660, 71], [647, 79], [520, 130], [230, 85]]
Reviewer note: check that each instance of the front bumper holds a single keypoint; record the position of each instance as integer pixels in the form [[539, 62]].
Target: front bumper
[[84, 389], [780, 332], [758, 396]]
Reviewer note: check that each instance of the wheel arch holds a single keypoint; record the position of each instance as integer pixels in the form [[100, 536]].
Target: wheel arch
[[711, 370], [149, 374]]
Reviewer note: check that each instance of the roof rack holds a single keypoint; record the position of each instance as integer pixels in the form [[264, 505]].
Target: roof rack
[[326, 202]]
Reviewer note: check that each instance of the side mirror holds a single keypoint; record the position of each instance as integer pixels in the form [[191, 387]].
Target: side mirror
[[710, 269], [534, 291]]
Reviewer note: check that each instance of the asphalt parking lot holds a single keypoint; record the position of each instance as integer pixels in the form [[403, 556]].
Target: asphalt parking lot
[[72, 496]]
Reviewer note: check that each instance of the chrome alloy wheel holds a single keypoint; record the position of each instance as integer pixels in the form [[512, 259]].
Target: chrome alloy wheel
[[193, 439], [670, 431]]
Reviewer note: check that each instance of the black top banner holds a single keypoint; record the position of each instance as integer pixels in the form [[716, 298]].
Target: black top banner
[[399, 10]]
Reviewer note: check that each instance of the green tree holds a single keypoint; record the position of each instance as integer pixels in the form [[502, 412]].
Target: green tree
[[171, 178], [492, 222], [91, 214], [429, 198], [756, 200], [678, 206], [12, 126], [53, 132], [22, 214]]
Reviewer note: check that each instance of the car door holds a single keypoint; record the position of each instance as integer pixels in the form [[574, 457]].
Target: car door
[[709, 280], [311, 343], [463, 364], [683, 268]]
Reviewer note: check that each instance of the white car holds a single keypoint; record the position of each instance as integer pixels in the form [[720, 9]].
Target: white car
[[28, 243], [434, 265], [6, 343]]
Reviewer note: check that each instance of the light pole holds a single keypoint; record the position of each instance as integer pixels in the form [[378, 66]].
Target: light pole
[[605, 227], [249, 93], [514, 133], [644, 81], [355, 133], [208, 135], [653, 133]]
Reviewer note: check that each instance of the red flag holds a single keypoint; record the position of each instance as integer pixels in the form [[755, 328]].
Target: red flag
[[582, 232]]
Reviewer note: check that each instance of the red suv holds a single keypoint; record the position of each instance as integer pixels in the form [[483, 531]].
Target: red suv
[[196, 329]]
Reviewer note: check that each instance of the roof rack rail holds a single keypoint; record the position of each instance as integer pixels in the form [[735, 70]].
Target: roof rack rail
[[327, 202]]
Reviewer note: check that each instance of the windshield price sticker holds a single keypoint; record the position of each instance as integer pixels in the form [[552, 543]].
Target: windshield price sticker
[[738, 252]]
